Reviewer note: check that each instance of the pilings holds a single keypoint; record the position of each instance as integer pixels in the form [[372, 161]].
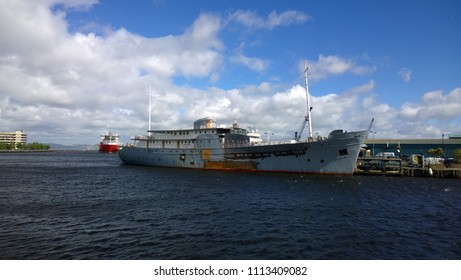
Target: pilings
[[442, 171], [397, 167]]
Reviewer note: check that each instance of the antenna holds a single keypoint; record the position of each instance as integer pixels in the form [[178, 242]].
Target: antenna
[[235, 124], [309, 108], [150, 107]]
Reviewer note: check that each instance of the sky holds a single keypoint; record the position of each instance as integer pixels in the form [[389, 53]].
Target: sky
[[71, 70]]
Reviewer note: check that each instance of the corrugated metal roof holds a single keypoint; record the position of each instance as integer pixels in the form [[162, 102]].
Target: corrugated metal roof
[[414, 141]]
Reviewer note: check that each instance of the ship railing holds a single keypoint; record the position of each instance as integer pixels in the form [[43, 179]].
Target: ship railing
[[173, 137], [270, 143], [247, 144], [164, 137], [139, 137], [230, 144]]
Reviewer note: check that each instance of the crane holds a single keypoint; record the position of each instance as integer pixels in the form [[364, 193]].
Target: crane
[[307, 118]]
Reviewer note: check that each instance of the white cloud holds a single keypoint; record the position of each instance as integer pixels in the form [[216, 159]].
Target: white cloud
[[247, 18], [48, 74], [29, 28], [67, 87], [256, 64], [334, 65], [434, 105], [286, 18], [434, 114], [252, 20], [405, 74]]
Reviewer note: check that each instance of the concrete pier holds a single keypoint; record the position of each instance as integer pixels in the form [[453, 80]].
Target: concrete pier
[[397, 167], [442, 171]]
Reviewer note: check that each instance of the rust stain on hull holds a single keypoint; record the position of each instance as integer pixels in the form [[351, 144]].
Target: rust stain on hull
[[206, 154], [235, 165]]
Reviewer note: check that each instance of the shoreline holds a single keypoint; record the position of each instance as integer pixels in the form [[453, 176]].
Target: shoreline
[[25, 151]]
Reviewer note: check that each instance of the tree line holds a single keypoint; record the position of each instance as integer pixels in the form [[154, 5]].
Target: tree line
[[440, 153], [21, 146]]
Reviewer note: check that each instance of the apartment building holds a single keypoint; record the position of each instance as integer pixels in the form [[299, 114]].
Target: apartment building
[[18, 137]]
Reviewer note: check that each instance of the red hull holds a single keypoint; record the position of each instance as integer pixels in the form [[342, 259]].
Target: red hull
[[108, 148]]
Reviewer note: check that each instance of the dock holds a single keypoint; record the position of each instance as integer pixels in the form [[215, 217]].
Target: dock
[[397, 167], [442, 171]]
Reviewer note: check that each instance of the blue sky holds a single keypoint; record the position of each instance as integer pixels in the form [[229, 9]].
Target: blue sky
[[72, 70]]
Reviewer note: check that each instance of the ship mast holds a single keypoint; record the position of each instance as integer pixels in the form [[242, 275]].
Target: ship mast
[[309, 108], [150, 108]]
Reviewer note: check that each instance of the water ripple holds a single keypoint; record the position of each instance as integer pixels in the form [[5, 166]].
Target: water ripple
[[86, 205]]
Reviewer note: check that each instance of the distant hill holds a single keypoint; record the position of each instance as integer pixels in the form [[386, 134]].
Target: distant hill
[[78, 147]]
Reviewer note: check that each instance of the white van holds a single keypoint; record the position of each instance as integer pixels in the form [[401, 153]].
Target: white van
[[385, 154]]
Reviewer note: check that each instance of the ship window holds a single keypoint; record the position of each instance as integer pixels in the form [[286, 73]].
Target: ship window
[[343, 152]]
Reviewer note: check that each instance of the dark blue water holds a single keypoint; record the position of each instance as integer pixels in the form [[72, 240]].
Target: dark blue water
[[87, 205]]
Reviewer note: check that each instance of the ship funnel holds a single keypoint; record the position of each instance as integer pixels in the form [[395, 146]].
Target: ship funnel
[[205, 123]]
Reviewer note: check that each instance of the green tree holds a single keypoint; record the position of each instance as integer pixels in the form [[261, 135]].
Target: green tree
[[23, 146], [38, 146], [457, 154], [6, 146], [436, 152]]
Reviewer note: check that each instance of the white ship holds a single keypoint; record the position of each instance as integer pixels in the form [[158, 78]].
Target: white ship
[[207, 146]]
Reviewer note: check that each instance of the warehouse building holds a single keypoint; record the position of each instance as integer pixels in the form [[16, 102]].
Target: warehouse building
[[413, 146]]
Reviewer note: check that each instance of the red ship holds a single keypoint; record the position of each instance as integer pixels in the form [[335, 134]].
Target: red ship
[[109, 143]]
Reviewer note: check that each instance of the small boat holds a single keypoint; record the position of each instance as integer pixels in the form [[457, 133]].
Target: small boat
[[109, 143]]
